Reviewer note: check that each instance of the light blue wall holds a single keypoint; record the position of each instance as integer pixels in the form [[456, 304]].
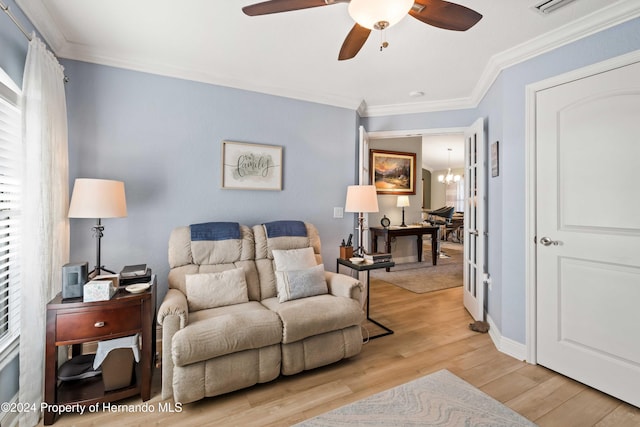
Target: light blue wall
[[607, 44], [162, 137], [504, 109]]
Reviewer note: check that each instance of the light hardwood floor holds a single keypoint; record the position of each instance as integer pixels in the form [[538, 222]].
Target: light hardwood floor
[[431, 333]]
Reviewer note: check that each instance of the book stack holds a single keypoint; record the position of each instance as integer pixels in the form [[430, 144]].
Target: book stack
[[377, 258], [138, 273]]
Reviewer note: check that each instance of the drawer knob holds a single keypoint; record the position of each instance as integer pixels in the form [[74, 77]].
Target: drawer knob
[[98, 324]]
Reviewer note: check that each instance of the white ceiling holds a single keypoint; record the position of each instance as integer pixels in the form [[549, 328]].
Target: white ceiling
[[294, 54], [435, 154]]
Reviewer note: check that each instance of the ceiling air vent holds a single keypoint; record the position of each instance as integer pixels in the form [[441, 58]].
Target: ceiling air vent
[[545, 7]]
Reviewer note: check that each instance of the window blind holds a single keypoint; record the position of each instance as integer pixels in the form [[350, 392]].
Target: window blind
[[10, 201]]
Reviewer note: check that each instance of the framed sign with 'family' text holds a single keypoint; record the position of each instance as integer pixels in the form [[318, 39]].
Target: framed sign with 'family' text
[[251, 166]]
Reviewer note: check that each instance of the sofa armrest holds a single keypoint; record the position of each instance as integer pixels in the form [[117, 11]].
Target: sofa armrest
[[342, 285], [173, 315], [174, 304]]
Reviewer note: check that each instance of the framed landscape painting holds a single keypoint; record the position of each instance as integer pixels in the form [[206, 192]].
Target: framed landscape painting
[[251, 166], [393, 172]]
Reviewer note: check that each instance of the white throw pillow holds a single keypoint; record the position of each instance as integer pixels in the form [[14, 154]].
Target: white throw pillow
[[294, 259], [298, 274], [295, 284], [211, 290]]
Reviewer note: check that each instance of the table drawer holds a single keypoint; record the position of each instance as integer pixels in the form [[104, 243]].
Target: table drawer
[[98, 323]]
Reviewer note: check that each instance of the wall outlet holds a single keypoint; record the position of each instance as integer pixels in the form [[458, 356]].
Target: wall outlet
[[338, 212]]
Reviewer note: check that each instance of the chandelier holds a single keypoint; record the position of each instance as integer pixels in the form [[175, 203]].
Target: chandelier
[[449, 177]]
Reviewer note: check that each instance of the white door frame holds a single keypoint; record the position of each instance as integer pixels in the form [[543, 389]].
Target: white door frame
[[530, 182]]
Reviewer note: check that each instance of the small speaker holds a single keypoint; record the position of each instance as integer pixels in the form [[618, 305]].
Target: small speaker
[[74, 276]]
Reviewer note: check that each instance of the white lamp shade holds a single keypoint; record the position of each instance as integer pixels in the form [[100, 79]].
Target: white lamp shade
[[368, 13], [361, 198], [97, 198], [403, 201]]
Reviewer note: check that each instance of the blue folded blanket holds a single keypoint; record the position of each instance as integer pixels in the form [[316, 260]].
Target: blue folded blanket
[[215, 231], [285, 229]]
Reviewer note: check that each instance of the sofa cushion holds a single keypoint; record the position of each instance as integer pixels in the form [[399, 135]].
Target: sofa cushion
[[302, 318], [211, 290], [294, 259], [296, 284], [225, 330], [295, 276]]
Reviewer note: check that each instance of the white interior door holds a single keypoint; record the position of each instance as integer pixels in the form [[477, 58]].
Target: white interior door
[[363, 177], [474, 220], [588, 230]]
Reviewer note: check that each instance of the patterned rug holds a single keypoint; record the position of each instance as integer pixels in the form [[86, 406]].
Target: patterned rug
[[438, 399], [422, 277]]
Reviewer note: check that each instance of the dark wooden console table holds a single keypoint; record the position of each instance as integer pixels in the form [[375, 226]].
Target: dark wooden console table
[[73, 322], [411, 230]]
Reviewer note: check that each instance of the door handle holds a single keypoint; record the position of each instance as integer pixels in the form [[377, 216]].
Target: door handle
[[474, 232], [98, 325], [545, 241]]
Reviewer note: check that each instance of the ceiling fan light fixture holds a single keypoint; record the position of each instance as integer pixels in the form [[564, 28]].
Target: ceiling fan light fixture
[[379, 14]]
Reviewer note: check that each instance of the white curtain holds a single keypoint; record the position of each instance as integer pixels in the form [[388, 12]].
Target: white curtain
[[45, 227]]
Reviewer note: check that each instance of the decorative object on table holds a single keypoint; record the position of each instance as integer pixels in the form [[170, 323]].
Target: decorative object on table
[[133, 270], [346, 249], [251, 166], [393, 172], [403, 201], [385, 222], [98, 290], [449, 177], [137, 288], [145, 278], [98, 198], [346, 252], [114, 278], [74, 276], [361, 199], [378, 258]]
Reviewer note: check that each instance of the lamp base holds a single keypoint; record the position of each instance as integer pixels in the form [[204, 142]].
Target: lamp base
[[98, 270]]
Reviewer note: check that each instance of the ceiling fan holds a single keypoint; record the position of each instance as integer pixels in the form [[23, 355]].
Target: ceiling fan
[[378, 15]]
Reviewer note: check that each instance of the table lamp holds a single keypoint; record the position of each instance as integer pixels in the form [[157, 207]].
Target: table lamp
[[361, 199], [98, 198], [402, 202]]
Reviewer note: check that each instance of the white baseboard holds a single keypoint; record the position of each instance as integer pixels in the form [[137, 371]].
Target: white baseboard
[[506, 345]]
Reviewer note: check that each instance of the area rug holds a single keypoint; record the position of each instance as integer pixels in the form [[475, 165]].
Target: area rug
[[422, 277], [438, 399]]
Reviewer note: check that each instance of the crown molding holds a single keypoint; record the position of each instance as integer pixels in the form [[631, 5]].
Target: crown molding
[[617, 13], [40, 17], [79, 53], [610, 16]]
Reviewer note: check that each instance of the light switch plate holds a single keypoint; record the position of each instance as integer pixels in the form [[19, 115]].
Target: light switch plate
[[338, 212]]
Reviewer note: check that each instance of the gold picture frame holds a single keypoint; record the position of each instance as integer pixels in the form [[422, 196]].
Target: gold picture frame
[[393, 172]]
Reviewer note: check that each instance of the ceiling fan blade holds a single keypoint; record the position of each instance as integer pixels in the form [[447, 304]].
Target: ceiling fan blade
[[443, 14], [277, 6], [354, 42]]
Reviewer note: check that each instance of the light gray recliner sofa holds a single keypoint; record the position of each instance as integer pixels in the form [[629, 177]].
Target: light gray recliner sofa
[[224, 326]]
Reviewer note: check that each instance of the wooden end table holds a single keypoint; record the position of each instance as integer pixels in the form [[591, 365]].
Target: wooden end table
[[73, 322]]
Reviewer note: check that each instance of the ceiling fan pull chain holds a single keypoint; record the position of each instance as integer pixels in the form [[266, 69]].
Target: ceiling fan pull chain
[[383, 42]]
